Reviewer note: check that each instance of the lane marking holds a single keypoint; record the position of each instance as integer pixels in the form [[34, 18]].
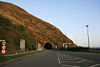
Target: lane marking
[[59, 60], [75, 58], [95, 65], [75, 62], [69, 66], [91, 54], [71, 59], [81, 61]]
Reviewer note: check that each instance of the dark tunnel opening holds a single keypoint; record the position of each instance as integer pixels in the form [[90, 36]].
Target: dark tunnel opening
[[48, 46]]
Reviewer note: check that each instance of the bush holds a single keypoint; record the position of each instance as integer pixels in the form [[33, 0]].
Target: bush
[[30, 44], [4, 21], [62, 48], [25, 35], [19, 27], [78, 48], [2, 57]]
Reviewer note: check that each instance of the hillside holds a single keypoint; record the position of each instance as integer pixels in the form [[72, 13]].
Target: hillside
[[16, 24]]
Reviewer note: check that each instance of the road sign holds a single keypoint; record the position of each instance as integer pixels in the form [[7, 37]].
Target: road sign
[[2, 40], [3, 47], [4, 43], [3, 51]]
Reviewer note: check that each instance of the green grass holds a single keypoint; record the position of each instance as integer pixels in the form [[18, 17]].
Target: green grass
[[9, 35]]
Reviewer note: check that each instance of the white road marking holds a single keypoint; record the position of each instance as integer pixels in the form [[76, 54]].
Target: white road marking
[[70, 59], [95, 65], [69, 66], [75, 62], [59, 60], [80, 60]]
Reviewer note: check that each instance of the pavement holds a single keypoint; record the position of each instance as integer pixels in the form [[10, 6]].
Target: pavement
[[56, 58], [78, 59]]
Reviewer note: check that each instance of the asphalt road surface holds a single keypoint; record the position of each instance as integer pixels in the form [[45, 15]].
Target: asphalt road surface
[[54, 58]]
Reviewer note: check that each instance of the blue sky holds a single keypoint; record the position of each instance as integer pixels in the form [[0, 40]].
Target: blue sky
[[70, 16]]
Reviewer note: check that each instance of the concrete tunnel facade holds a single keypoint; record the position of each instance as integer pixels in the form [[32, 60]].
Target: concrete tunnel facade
[[46, 46]]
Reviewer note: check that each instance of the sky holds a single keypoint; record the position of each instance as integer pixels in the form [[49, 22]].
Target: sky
[[70, 16]]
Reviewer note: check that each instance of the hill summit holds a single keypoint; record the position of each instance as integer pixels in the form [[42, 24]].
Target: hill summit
[[16, 24]]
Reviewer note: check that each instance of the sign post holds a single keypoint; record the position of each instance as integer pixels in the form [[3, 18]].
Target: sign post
[[3, 51], [3, 47], [4, 43]]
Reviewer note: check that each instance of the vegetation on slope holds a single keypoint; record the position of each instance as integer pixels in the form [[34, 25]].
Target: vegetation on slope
[[22, 25], [12, 34]]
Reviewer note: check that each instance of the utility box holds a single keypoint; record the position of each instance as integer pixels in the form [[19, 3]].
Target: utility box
[[39, 48], [65, 45], [22, 45]]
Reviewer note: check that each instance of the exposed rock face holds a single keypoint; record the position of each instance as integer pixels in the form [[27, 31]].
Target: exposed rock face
[[34, 27]]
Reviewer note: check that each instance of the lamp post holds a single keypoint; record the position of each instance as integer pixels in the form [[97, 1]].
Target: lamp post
[[88, 36]]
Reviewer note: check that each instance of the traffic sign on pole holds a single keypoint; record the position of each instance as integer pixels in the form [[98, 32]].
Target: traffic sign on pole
[[3, 47], [4, 43], [3, 51]]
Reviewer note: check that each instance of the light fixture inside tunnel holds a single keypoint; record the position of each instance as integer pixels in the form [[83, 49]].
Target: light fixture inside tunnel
[[48, 46]]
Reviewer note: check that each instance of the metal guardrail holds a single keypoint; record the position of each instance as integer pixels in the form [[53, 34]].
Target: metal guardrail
[[19, 53]]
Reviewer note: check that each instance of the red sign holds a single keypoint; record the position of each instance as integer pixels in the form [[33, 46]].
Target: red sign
[[3, 51], [3, 47], [4, 43]]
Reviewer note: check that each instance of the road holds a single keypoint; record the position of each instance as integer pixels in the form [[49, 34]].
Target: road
[[54, 58]]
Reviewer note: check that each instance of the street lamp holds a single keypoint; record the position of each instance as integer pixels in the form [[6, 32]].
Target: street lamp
[[88, 36]]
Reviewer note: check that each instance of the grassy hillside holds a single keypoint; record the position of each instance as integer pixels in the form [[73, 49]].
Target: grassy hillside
[[13, 33], [16, 24]]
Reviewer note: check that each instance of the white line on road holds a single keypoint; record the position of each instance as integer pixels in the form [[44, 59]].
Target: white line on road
[[70, 59], [95, 65], [59, 60], [69, 66], [75, 62]]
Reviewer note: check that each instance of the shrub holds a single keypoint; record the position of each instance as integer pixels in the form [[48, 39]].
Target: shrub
[[62, 48], [2, 57], [30, 44], [19, 27], [78, 48], [25, 35], [4, 21]]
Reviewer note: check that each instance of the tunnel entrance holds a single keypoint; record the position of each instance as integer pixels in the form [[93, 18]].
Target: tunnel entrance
[[48, 46]]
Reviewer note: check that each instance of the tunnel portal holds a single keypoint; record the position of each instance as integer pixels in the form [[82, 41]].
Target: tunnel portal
[[48, 46]]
